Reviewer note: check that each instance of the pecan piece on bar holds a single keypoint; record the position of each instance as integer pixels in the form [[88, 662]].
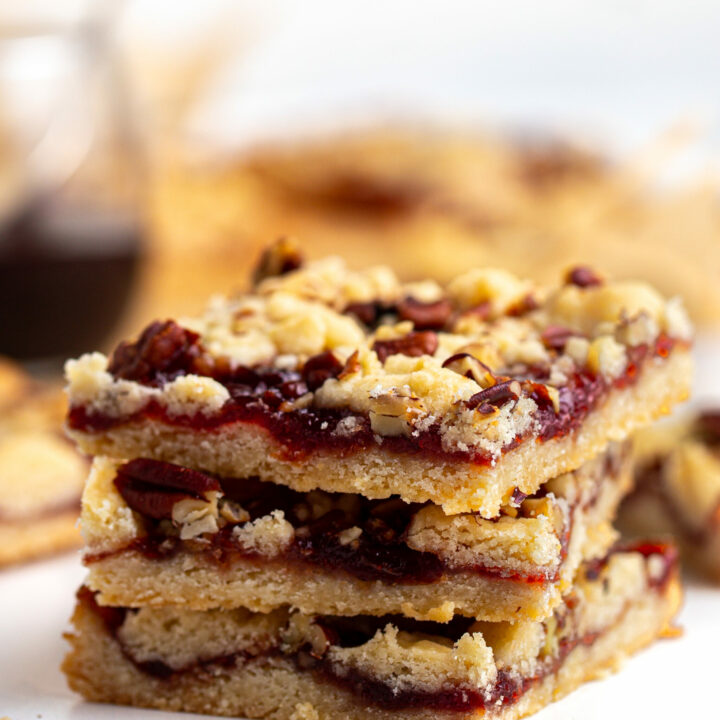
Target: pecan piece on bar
[[583, 277], [555, 337], [425, 315], [152, 488], [167, 475], [164, 349], [282, 257], [414, 344], [468, 365], [488, 400]]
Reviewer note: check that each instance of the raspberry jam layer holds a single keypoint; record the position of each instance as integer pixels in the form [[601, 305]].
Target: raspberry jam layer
[[350, 533], [266, 396]]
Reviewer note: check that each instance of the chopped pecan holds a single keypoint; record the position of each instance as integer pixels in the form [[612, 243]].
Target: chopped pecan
[[583, 277], [282, 257], [369, 313], [352, 365], [320, 368], [167, 475], [525, 305], [425, 316], [544, 395], [555, 336], [488, 400], [466, 364], [414, 344], [165, 349], [147, 499]]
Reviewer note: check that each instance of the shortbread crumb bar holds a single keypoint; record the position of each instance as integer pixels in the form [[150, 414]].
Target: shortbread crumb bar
[[289, 666], [325, 378]]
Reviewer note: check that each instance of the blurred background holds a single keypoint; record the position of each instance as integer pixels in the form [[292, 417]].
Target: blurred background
[[150, 148]]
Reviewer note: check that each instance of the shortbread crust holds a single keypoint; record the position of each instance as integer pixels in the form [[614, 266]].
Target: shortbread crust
[[297, 667], [222, 556]]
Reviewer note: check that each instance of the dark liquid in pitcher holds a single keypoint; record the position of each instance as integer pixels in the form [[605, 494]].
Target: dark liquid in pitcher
[[65, 278]]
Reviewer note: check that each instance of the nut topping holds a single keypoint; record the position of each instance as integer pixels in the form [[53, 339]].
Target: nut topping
[[162, 351], [487, 401], [583, 277], [414, 344], [425, 315], [282, 257], [465, 364]]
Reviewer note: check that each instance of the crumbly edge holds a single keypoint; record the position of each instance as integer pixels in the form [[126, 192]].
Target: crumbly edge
[[34, 538], [243, 450], [97, 669]]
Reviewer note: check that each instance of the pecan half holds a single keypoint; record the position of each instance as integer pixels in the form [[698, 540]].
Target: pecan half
[[152, 488], [425, 316], [583, 277], [414, 344], [167, 475], [165, 349]]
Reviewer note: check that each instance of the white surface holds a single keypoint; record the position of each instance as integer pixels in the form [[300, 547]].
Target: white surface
[[670, 680]]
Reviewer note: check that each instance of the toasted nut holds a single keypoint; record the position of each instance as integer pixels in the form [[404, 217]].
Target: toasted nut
[[282, 257], [607, 357], [466, 364], [640, 330], [195, 517], [349, 535], [392, 414], [414, 344]]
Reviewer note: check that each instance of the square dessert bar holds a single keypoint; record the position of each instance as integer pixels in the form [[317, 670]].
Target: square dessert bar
[[158, 534], [678, 488], [285, 665], [41, 474], [351, 382]]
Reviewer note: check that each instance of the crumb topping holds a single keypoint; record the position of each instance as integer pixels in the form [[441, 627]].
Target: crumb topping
[[407, 358]]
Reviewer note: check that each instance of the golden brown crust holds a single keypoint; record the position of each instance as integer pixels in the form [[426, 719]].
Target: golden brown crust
[[532, 550]]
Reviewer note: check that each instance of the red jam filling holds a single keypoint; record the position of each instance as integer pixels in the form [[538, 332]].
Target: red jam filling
[[356, 631], [264, 396], [379, 553]]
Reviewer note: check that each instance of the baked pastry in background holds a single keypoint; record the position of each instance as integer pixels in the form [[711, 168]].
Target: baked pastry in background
[[41, 473], [677, 488], [430, 203]]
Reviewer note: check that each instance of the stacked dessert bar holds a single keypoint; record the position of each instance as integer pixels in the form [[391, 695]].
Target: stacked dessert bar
[[338, 496]]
